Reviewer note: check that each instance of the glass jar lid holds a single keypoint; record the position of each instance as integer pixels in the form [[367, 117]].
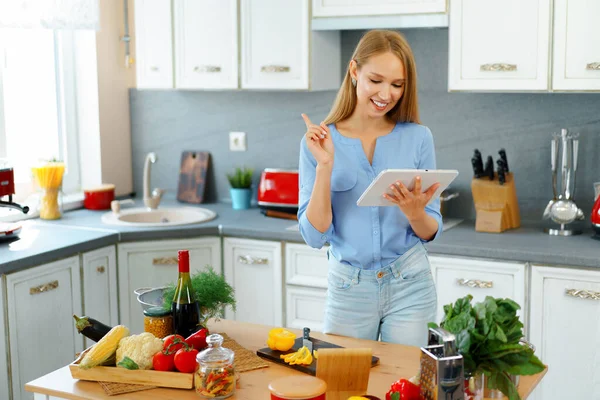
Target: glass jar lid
[[156, 312], [215, 355]]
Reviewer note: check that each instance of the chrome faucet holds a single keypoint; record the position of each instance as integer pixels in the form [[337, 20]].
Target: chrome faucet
[[151, 200]]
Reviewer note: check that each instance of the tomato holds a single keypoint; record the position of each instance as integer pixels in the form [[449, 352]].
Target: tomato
[[198, 339], [185, 359], [172, 343], [163, 361]]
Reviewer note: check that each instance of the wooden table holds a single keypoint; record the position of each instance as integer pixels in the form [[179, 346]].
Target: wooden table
[[397, 361]]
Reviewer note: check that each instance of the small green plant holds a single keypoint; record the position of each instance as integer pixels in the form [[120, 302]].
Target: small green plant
[[241, 178]]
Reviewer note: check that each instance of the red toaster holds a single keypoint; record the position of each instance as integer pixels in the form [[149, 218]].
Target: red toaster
[[278, 189], [7, 182]]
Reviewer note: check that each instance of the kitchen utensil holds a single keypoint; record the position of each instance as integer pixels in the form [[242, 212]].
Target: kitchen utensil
[[345, 371], [278, 190], [193, 176], [9, 230], [489, 168], [502, 153], [445, 197], [278, 214], [298, 387], [7, 188], [306, 339], [477, 164], [318, 345], [99, 197], [442, 367], [150, 297]]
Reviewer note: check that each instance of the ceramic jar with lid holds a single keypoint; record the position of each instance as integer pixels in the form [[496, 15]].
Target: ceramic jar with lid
[[298, 387], [215, 375]]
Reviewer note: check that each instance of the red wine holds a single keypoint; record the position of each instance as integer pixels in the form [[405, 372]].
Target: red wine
[[185, 309]]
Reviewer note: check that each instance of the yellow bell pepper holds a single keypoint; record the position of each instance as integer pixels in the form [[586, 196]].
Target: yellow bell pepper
[[281, 339], [302, 356]]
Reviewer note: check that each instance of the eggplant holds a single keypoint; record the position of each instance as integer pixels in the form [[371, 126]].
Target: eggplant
[[91, 328]]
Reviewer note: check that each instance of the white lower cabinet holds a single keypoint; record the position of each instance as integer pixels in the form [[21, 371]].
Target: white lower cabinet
[[100, 298], [306, 286], [4, 359], [457, 277], [254, 269], [565, 328], [155, 264], [41, 303]]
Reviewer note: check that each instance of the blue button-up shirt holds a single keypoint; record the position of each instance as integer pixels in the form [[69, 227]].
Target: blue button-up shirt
[[366, 237]]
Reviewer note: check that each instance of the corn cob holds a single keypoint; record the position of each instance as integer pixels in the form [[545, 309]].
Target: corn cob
[[105, 348]]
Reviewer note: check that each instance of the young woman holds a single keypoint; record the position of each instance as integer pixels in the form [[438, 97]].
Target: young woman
[[379, 279]]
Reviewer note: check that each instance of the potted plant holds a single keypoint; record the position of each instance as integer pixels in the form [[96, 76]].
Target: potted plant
[[240, 191], [489, 336]]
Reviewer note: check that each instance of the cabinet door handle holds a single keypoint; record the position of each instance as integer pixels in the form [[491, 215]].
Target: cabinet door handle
[[165, 261], [154, 68], [207, 68], [252, 260], [46, 287], [475, 283], [101, 269], [595, 66], [274, 68], [583, 294], [498, 67]]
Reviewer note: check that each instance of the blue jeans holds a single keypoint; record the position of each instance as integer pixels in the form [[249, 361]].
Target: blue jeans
[[396, 301]]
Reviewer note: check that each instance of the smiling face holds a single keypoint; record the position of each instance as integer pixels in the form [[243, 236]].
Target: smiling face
[[380, 84]]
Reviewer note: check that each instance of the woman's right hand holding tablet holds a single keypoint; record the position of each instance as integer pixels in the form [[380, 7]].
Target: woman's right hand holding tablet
[[319, 142]]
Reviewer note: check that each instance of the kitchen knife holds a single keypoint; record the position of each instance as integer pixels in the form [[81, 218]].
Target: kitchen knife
[[501, 169], [306, 340], [502, 153], [477, 163], [489, 168]]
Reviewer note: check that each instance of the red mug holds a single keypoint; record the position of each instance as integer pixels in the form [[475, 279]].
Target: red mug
[[99, 197]]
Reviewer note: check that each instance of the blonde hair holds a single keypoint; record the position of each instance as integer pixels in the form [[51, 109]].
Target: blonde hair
[[371, 44]]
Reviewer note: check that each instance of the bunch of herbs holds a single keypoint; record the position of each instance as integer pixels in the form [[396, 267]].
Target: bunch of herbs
[[241, 178], [213, 294], [488, 336]]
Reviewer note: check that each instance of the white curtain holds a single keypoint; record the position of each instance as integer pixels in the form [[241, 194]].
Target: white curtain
[[50, 14]]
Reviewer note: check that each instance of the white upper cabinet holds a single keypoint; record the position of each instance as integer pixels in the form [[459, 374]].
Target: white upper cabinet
[[346, 8], [206, 51], [576, 57], [279, 51], [499, 45], [154, 44]]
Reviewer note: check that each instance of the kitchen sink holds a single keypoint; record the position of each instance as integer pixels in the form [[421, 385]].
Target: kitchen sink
[[159, 217]]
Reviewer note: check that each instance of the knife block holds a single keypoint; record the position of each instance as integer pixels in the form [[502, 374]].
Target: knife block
[[496, 205]]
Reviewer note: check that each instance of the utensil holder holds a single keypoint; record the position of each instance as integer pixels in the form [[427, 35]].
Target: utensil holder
[[496, 206]]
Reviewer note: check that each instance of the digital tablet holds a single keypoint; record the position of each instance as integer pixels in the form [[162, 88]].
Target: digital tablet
[[373, 195]]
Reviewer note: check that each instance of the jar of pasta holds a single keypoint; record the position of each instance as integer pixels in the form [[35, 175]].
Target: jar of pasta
[[158, 321], [215, 376]]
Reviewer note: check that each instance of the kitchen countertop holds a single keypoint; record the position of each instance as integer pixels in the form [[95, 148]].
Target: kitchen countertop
[[82, 230], [396, 361]]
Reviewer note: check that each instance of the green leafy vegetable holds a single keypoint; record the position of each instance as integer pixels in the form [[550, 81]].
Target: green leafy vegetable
[[213, 293], [128, 363], [488, 336]]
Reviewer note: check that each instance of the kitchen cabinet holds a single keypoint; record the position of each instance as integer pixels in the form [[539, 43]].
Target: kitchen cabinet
[[457, 277], [565, 327], [206, 44], [153, 44], [576, 44], [306, 286], [4, 359], [254, 269], [100, 295], [499, 45], [284, 53], [155, 264], [41, 303], [346, 8]]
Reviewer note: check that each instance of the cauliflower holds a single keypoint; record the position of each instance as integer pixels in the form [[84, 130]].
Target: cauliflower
[[140, 348]]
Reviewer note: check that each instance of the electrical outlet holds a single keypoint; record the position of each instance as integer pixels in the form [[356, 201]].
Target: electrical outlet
[[237, 141]]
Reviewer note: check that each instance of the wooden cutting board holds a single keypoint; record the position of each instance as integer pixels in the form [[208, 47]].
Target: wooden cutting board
[[273, 355], [192, 176]]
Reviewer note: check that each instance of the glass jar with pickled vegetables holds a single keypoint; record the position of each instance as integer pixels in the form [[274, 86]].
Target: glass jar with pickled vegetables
[[158, 321], [215, 374]]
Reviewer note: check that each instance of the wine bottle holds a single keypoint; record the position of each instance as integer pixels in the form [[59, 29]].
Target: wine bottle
[[185, 308]]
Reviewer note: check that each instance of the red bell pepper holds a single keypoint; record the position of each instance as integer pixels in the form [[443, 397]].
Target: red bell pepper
[[198, 339], [403, 389]]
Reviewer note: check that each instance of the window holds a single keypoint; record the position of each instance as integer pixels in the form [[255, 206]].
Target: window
[[37, 104]]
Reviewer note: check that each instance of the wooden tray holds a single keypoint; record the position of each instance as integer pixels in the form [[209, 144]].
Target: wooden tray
[[177, 380], [273, 355]]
